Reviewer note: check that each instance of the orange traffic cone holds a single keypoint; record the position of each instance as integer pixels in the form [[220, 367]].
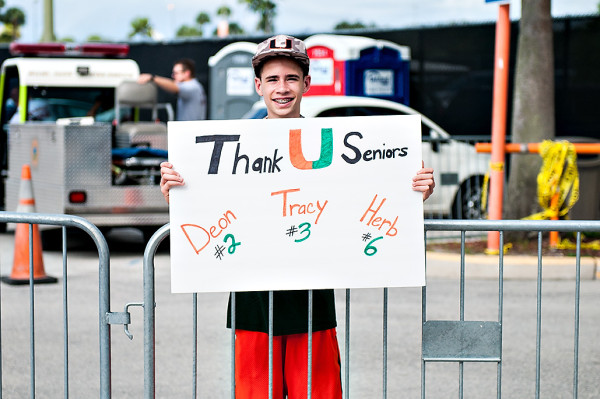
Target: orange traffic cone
[[20, 270]]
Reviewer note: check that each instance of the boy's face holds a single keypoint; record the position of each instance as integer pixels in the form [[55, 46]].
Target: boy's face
[[282, 85]]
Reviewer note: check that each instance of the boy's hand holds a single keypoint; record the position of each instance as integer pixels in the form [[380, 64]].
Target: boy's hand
[[424, 182], [169, 178]]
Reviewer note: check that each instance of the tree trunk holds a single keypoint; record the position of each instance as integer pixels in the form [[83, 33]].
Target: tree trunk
[[533, 107]]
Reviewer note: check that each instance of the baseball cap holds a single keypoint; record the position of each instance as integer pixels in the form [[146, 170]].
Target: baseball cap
[[281, 45]]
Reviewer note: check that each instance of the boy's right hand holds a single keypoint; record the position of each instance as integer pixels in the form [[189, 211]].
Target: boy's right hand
[[169, 178]]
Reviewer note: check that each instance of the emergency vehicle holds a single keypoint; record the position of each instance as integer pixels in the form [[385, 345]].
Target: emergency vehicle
[[66, 112]]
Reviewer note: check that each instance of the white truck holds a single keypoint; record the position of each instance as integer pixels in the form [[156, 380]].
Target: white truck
[[62, 114]]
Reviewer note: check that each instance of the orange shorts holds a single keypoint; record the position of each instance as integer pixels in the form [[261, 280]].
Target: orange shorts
[[290, 360]]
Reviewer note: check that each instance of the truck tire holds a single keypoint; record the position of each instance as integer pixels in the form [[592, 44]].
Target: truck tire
[[467, 203]]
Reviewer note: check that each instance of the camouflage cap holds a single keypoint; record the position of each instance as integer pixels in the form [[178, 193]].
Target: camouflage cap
[[281, 45]]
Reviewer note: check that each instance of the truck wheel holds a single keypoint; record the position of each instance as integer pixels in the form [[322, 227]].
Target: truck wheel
[[467, 203]]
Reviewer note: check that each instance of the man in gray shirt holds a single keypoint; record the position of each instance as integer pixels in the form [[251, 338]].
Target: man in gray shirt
[[191, 99]]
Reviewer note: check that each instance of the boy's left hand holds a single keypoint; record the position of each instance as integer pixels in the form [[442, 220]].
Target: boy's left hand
[[424, 182]]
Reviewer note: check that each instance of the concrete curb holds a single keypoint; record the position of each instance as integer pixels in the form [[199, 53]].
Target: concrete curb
[[516, 267]]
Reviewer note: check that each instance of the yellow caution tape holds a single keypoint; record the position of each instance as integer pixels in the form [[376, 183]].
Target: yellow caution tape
[[497, 166], [505, 249], [567, 244], [484, 194], [494, 167], [558, 177]]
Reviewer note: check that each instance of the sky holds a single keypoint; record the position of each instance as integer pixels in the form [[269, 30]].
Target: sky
[[111, 19]]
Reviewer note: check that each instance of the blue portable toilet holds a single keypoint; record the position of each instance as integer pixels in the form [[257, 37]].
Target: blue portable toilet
[[382, 71], [231, 81]]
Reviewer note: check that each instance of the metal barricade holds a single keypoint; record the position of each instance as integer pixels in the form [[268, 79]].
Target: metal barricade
[[481, 341], [104, 295], [456, 341]]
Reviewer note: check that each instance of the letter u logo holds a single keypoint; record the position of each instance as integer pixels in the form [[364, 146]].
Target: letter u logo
[[297, 156]]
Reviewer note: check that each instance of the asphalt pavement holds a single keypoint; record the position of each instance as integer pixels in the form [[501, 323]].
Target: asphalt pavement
[[174, 341]]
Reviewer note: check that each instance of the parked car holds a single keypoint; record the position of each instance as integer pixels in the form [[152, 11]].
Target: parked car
[[459, 169]]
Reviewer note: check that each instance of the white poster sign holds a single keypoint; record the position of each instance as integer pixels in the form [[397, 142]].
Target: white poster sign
[[286, 204]]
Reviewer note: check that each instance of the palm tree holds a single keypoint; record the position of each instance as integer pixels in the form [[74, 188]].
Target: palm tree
[[202, 18], [13, 18], [141, 26], [222, 29], [266, 10], [224, 12], [236, 29]]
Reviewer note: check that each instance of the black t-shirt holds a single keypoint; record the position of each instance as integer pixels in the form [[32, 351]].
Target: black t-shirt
[[290, 311]]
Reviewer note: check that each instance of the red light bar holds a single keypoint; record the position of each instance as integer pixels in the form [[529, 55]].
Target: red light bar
[[103, 49], [36, 48], [61, 49]]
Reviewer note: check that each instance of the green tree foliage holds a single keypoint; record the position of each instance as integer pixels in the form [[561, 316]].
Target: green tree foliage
[[202, 18], [267, 10], [196, 30], [188, 31], [141, 26], [96, 38], [13, 19], [236, 29], [344, 25], [224, 11]]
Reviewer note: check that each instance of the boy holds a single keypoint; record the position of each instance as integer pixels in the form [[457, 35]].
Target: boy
[[281, 68]]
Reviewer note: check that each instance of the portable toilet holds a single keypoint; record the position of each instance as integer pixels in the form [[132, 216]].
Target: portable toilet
[[381, 70], [231, 77], [328, 56]]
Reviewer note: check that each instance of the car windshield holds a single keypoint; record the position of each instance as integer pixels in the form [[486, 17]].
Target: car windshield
[[52, 103]]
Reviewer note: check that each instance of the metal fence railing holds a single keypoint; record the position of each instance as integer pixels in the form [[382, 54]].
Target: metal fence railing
[[35, 346], [460, 335], [483, 337]]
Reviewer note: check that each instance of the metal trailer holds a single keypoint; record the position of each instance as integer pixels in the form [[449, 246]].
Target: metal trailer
[[71, 169], [75, 167]]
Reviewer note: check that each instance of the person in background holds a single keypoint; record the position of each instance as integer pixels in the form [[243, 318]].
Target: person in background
[[12, 103], [191, 98], [281, 67]]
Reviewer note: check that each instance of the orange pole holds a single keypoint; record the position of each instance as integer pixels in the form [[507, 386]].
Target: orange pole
[[580, 148], [499, 123]]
